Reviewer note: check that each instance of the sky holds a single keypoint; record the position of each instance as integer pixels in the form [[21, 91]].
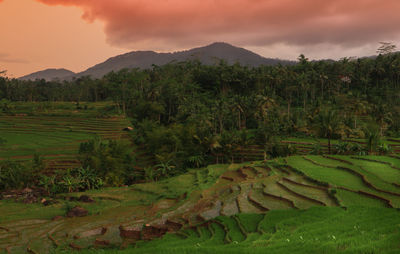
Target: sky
[[76, 34]]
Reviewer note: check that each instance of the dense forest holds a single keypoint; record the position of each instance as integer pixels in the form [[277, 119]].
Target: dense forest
[[187, 114]]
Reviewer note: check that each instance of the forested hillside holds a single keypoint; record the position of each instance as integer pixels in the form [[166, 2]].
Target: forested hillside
[[189, 114]]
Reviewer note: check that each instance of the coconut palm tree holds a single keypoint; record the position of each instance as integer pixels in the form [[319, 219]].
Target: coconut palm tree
[[327, 124], [372, 134]]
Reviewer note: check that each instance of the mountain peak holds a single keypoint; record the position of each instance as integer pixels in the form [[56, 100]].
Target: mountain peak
[[220, 44]]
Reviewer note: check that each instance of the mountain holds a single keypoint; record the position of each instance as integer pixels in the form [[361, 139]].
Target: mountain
[[145, 59], [49, 75]]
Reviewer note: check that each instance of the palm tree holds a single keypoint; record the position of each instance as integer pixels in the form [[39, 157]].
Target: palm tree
[[373, 138], [382, 116], [327, 123], [359, 108]]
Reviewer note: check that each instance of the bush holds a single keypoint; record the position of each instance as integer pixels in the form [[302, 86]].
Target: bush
[[385, 149], [79, 179], [342, 148], [358, 149], [109, 160], [15, 175], [2, 141], [276, 149], [316, 149]]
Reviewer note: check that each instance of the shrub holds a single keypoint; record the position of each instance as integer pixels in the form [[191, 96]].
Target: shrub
[[276, 149], [342, 148], [14, 175], [316, 149], [2, 141], [109, 160], [385, 149], [358, 149], [79, 179]]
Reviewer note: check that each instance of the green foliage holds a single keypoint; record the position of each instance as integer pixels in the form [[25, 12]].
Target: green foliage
[[342, 148], [2, 141], [327, 125], [150, 174], [358, 149], [89, 178], [5, 106], [196, 160], [15, 175], [71, 180], [110, 160], [48, 183], [373, 138], [38, 163], [276, 149], [316, 149], [192, 115], [164, 167], [385, 149]]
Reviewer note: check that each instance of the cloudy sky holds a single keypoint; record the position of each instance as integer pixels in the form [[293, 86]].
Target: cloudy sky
[[76, 34]]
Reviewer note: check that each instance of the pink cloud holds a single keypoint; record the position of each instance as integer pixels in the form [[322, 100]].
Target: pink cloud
[[245, 22]]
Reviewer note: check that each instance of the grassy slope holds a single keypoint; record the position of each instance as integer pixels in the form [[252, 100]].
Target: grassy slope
[[317, 230], [55, 130], [365, 226]]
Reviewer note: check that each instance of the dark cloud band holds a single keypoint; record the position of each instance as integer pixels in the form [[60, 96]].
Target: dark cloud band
[[246, 22]]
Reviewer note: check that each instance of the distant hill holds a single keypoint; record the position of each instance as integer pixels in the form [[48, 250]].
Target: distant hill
[[145, 59], [49, 75]]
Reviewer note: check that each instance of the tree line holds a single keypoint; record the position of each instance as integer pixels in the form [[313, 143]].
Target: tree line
[[186, 114]]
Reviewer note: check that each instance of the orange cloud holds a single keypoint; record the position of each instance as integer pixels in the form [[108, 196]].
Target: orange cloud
[[247, 22]]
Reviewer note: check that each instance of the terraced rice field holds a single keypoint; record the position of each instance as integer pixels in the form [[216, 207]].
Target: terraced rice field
[[312, 203], [56, 138], [303, 147]]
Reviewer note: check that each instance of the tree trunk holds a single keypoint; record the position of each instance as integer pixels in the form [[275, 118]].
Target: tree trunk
[[329, 144], [239, 120], [322, 90]]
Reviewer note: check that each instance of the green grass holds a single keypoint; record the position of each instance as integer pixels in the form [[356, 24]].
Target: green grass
[[383, 171], [250, 222], [317, 230], [343, 178], [234, 231], [348, 199], [395, 162], [332, 176], [27, 144], [11, 211], [52, 129]]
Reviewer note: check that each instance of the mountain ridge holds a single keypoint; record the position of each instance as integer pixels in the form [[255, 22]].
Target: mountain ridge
[[207, 55], [49, 74]]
